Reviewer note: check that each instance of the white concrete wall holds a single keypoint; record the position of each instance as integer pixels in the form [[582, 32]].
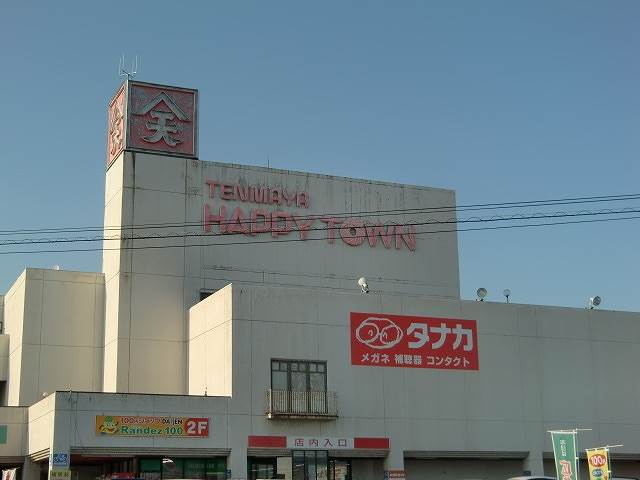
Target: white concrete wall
[[149, 290], [55, 322], [41, 419], [540, 368], [210, 353], [146, 317], [4, 357], [115, 268], [15, 419], [14, 311], [432, 269]]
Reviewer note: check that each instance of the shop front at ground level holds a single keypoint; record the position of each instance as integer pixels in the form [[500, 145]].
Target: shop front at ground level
[[299, 465]]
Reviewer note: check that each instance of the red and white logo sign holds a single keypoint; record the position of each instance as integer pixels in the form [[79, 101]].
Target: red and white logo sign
[[415, 342], [149, 117], [115, 139], [162, 119]]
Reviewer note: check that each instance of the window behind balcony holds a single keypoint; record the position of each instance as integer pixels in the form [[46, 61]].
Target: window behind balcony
[[299, 375]]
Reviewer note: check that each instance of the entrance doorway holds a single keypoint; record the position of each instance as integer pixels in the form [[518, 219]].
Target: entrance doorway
[[301, 465], [316, 465], [310, 464], [339, 469], [263, 468]]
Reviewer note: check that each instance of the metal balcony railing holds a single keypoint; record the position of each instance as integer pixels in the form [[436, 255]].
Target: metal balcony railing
[[301, 404]]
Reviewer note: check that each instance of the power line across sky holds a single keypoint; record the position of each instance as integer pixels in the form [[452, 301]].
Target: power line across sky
[[366, 213], [361, 236]]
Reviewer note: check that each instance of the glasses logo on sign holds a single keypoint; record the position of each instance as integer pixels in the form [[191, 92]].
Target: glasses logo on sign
[[379, 333]]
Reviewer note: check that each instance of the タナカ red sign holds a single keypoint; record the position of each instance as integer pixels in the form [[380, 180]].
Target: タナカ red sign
[[383, 340]]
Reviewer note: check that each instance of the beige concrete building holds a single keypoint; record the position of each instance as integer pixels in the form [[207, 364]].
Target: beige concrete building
[[227, 336]]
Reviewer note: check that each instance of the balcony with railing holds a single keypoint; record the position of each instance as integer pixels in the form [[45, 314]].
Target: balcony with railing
[[301, 404]]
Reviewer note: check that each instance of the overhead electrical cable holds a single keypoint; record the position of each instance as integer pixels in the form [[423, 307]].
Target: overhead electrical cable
[[290, 240], [390, 212], [500, 218]]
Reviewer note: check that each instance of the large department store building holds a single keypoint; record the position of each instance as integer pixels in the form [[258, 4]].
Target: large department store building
[[227, 337]]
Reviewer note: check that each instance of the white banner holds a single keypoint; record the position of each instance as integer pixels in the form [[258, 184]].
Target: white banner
[[9, 474]]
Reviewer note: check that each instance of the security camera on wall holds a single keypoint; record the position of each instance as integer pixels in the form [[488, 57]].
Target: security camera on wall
[[364, 286]]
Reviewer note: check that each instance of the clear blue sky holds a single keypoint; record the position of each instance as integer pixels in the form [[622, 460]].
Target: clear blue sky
[[501, 101]]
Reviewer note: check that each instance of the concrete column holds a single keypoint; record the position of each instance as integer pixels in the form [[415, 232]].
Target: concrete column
[[116, 265], [237, 463], [30, 470], [394, 465], [59, 450], [533, 464]]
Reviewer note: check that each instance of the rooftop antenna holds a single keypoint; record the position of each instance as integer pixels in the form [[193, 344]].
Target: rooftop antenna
[[132, 72]]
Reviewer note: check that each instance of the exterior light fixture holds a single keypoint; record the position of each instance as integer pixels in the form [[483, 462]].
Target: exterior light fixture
[[594, 302], [481, 293], [507, 294]]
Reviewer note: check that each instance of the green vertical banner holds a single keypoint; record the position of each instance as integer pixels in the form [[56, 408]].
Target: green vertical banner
[[564, 452]]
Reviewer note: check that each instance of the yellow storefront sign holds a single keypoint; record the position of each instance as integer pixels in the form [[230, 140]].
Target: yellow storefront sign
[[598, 461], [59, 474], [137, 426]]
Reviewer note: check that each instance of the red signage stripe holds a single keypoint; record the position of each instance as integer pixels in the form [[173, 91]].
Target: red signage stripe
[[267, 441], [371, 443]]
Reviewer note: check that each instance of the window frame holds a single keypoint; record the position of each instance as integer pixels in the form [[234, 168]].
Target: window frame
[[308, 363]]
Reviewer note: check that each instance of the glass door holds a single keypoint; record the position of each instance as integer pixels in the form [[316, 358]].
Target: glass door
[[262, 469], [310, 465], [339, 469]]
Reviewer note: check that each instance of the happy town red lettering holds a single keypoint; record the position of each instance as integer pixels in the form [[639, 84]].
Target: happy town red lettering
[[353, 231]]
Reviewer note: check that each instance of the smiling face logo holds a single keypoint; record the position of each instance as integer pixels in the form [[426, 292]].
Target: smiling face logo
[[109, 426], [379, 333]]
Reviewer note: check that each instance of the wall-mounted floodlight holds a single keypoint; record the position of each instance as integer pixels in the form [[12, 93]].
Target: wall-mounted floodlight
[[481, 293], [364, 286], [507, 294], [594, 302]]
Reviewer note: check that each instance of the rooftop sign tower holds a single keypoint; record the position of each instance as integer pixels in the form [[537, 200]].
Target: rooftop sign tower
[[146, 117]]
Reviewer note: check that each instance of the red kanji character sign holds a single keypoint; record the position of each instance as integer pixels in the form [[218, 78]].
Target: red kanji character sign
[[152, 118]]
